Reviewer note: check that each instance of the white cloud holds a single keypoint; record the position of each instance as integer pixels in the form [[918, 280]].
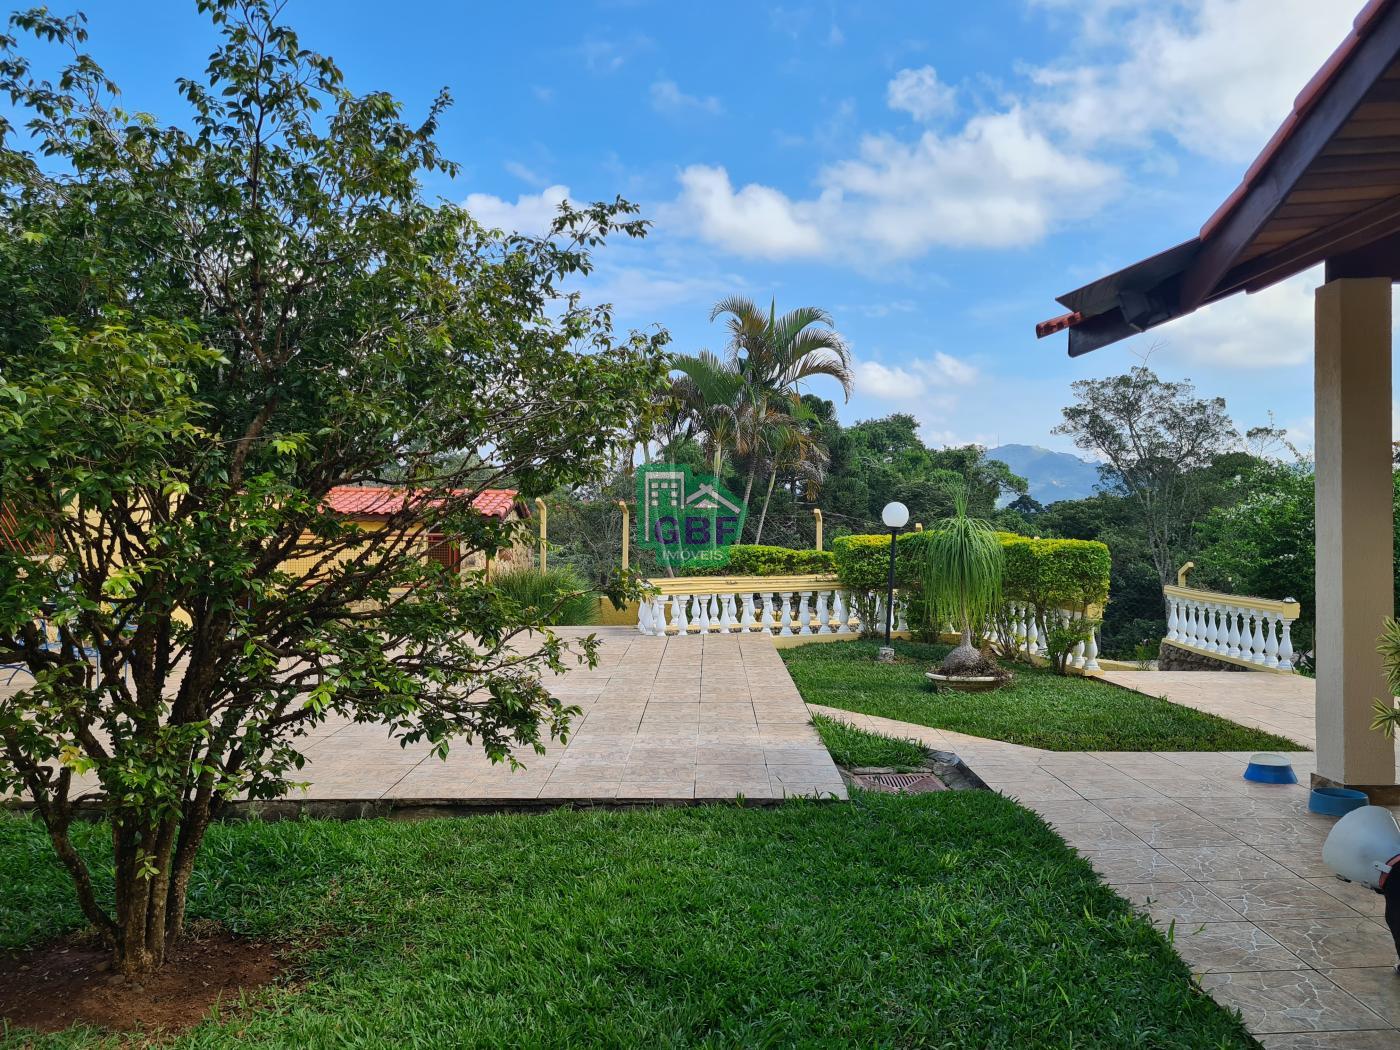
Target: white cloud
[[1268, 330], [525, 174], [919, 93], [999, 182], [1216, 75], [754, 221], [888, 383], [640, 291], [608, 54], [667, 97], [996, 183], [532, 213], [952, 369], [921, 381]]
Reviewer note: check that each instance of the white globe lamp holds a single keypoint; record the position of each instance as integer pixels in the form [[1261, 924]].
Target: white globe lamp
[[895, 515]]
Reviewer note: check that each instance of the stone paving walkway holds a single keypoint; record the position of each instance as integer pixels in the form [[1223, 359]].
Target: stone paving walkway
[[663, 720], [1235, 866], [1281, 704]]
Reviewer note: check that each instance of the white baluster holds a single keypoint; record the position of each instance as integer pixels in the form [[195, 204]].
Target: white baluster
[[747, 615], [1232, 634], [678, 614], [1042, 643], [803, 616], [1256, 639], [1212, 635], [1285, 647], [1270, 640], [658, 616], [767, 624], [1077, 653], [1193, 623], [1091, 651], [726, 614], [823, 624], [786, 614], [1173, 619], [644, 616], [702, 613], [901, 624], [841, 623]]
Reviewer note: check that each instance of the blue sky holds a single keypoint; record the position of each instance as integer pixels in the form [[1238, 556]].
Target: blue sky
[[933, 173]]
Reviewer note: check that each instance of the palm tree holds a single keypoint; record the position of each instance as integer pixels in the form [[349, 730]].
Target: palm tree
[[792, 449], [962, 578], [746, 397]]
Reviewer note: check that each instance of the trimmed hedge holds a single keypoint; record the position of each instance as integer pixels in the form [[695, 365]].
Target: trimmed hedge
[[1055, 574], [863, 562], [1045, 574], [752, 559]]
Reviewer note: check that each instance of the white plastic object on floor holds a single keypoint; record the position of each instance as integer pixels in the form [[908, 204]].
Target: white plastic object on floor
[[1361, 845]]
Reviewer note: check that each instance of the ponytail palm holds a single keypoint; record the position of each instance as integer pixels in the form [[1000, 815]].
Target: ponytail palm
[[962, 577]]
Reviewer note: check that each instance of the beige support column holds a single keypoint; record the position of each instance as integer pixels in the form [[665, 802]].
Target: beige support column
[[626, 532], [1354, 526], [544, 533], [817, 515]]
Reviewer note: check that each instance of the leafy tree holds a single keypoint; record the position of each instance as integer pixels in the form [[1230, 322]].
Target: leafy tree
[[1158, 441], [207, 328], [750, 400], [880, 460]]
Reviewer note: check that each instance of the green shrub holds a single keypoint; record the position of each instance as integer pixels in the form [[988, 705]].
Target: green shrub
[[863, 562], [1055, 574], [560, 597], [1046, 574], [751, 559], [863, 567]]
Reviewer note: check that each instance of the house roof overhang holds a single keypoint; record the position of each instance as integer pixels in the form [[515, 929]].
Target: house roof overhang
[[1326, 188]]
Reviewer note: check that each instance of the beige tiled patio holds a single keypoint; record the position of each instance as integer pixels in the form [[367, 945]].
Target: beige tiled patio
[[698, 718], [1235, 866]]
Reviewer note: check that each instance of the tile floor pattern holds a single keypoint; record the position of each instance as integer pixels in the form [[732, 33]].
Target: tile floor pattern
[[1235, 866], [699, 718], [1281, 704]]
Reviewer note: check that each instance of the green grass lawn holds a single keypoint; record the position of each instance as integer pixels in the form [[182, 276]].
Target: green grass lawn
[[948, 920], [1039, 709], [853, 747]]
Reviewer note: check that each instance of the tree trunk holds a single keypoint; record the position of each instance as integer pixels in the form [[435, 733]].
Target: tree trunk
[[154, 864], [758, 536], [748, 485]]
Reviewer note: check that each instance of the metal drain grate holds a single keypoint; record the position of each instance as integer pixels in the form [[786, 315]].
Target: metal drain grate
[[911, 782]]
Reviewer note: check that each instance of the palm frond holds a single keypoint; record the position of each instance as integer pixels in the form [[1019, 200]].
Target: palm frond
[[962, 568]]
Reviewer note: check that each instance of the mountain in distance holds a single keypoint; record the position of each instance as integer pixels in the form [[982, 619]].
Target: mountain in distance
[[1052, 475]]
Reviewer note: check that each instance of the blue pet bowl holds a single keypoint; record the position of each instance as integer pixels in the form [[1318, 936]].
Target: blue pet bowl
[[1267, 768], [1335, 802]]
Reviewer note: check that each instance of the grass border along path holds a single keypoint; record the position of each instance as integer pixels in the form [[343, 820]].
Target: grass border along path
[[1039, 709], [954, 919]]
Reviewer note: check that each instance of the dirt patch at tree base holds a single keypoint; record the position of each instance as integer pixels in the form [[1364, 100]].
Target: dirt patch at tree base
[[72, 982]]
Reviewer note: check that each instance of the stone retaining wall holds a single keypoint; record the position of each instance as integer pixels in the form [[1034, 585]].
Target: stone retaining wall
[[1172, 658]]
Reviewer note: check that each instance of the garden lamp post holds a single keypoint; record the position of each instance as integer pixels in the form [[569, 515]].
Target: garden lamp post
[[895, 516]]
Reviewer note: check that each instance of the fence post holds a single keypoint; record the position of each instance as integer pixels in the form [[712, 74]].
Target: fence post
[[544, 532], [817, 514], [626, 532]]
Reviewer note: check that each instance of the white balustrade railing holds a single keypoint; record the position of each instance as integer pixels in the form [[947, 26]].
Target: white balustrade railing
[[1248, 631], [810, 605], [1023, 630], [780, 605]]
